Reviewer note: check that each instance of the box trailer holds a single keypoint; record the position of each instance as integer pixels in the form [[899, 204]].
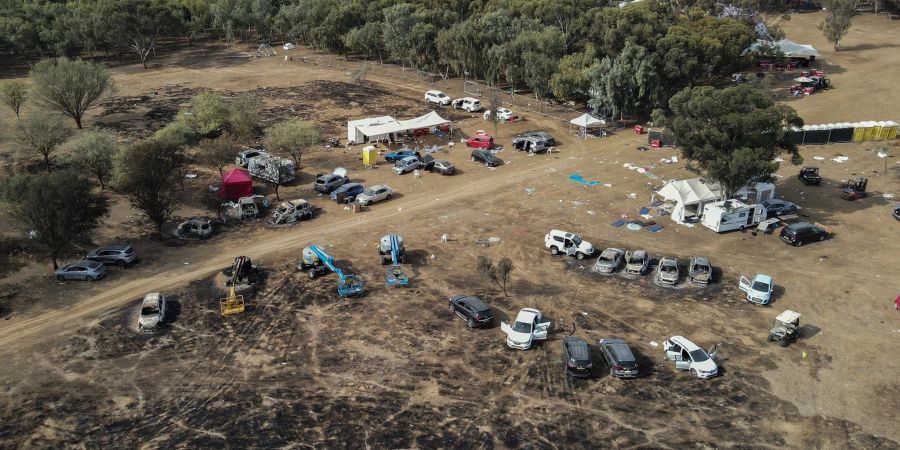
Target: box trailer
[[271, 168], [730, 215]]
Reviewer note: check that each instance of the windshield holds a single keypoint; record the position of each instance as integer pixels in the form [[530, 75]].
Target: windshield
[[668, 268], [369, 192], [760, 286], [576, 240], [699, 356], [149, 310], [522, 327], [701, 268]]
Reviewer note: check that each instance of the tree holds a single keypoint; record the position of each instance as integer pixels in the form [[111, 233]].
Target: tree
[[499, 274], [291, 137], [494, 106], [366, 39], [733, 134], [208, 113], [148, 174], [218, 153], [570, 80], [94, 151], [245, 115], [837, 20], [70, 86], [141, 22], [42, 133], [179, 132], [13, 94], [59, 207], [627, 84]]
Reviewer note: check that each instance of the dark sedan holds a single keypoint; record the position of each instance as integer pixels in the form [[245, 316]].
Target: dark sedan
[[347, 192], [485, 157], [472, 310], [619, 358], [577, 357]]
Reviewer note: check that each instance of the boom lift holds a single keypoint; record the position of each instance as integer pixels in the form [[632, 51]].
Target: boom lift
[[391, 250], [242, 272], [316, 263]]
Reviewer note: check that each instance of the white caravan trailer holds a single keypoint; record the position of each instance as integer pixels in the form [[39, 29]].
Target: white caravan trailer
[[730, 215]]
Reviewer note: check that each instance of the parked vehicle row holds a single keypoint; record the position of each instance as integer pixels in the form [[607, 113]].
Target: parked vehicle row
[[93, 266]]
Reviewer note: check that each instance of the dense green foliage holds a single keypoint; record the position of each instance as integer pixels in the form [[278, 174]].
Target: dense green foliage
[[149, 174], [40, 133], [94, 151], [542, 45]]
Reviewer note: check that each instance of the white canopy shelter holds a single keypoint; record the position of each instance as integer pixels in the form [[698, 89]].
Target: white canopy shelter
[[585, 121], [376, 128], [787, 48]]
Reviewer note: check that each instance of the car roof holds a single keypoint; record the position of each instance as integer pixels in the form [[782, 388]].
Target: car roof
[[612, 251], [799, 226], [409, 158], [562, 233], [578, 348], [152, 297], [619, 349], [87, 263], [763, 278], [474, 301], [119, 247], [684, 342], [526, 316], [443, 161], [298, 202], [788, 316], [378, 186], [701, 260], [668, 260], [434, 91]]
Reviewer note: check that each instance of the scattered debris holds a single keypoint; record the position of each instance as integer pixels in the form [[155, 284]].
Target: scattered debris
[[580, 179], [489, 242], [840, 159]]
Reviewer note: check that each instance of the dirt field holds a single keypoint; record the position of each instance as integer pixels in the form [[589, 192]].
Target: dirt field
[[394, 369]]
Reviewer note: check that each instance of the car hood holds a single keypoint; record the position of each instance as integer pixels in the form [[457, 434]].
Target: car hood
[[150, 320], [519, 337], [706, 366]]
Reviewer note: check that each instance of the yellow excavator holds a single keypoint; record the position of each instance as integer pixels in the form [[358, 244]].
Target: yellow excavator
[[242, 272]]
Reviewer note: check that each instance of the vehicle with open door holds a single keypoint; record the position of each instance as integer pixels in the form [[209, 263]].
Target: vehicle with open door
[[527, 328], [689, 356], [564, 243], [759, 290]]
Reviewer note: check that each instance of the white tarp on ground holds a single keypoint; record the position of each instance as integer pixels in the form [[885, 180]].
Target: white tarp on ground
[[586, 121], [375, 128], [788, 48]]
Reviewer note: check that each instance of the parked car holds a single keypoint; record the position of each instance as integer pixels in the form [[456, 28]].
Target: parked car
[[347, 192], [688, 356], [375, 194], [467, 104], [116, 255], [530, 144], [527, 328], [486, 157], [406, 165], [243, 158], [472, 310], [195, 228], [292, 211], [775, 207], [483, 141], [325, 183], [636, 262], [759, 291], [619, 358], [577, 357], [800, 233], [667, 271], [437, 97], [400, 154], [546, 137], [503, 114], [81, 270], [700, 271], [810, 175], [441, 166], [153, 312], [564, 243], [609, 260]]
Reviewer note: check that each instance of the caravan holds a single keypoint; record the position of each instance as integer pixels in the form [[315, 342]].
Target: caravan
[[732, 215]]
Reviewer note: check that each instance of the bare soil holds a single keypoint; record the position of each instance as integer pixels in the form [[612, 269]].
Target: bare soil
[[394, 369]]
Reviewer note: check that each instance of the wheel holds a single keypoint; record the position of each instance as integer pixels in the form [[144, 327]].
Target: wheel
[[470, 323], [783, 343], [799, 243], [554, 251], [770, 338], [311, 273], [821, 237], [452, 308], [367, 203], [88, 278], [694, 373], [743, 227], [60, 278], [389, 196], [579, 255], [121, 263]]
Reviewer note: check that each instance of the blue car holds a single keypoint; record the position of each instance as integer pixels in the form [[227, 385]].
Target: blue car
[[347, 192], [397, 156]]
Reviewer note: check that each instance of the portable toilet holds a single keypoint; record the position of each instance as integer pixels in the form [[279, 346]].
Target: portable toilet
[[859, 132], [889, 130], [368, 155], [870, 131], [876, 130]]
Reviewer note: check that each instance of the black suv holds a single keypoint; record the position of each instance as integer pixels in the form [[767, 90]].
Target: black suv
[[797, 234], [117, 254], [486, 157], [618, 356], [810, 175], [472, 310], [577, 357]]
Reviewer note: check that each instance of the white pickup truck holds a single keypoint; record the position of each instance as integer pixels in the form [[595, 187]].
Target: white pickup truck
[[527, 328]]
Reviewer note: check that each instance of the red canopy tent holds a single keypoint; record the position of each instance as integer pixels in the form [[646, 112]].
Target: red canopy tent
[[235, 184]]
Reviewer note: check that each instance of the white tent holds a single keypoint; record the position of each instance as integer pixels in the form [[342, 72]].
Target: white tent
[[377, 128], [787, 48], [585, 121]]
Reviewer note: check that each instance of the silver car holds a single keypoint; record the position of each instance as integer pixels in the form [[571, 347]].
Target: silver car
[[81, 270], [117, 254], [374, 194], [153, 311], [609, 261]]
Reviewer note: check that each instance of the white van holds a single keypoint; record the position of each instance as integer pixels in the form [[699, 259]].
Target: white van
[[730, 215]]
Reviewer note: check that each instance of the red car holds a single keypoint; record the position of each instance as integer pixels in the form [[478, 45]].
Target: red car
[[480, 141]]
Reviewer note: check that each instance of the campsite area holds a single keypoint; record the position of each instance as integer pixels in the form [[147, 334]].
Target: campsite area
[[302, 367]]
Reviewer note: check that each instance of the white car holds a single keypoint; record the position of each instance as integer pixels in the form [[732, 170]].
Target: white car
[[526, 329], [437, 97], [374, 194], [153, 311], [503, 114], [758, 291], [562, 242], [467, 104], [688, 356]]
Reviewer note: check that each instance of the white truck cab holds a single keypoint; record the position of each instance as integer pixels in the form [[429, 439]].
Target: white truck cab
[[525, 330], [565, 243]]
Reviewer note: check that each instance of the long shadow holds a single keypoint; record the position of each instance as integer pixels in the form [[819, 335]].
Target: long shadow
[[869, 46]]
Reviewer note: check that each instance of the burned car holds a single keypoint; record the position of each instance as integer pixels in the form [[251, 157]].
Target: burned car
[[636, 262], [700, 271], [195, 228], [609, 261], [667, 271]]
